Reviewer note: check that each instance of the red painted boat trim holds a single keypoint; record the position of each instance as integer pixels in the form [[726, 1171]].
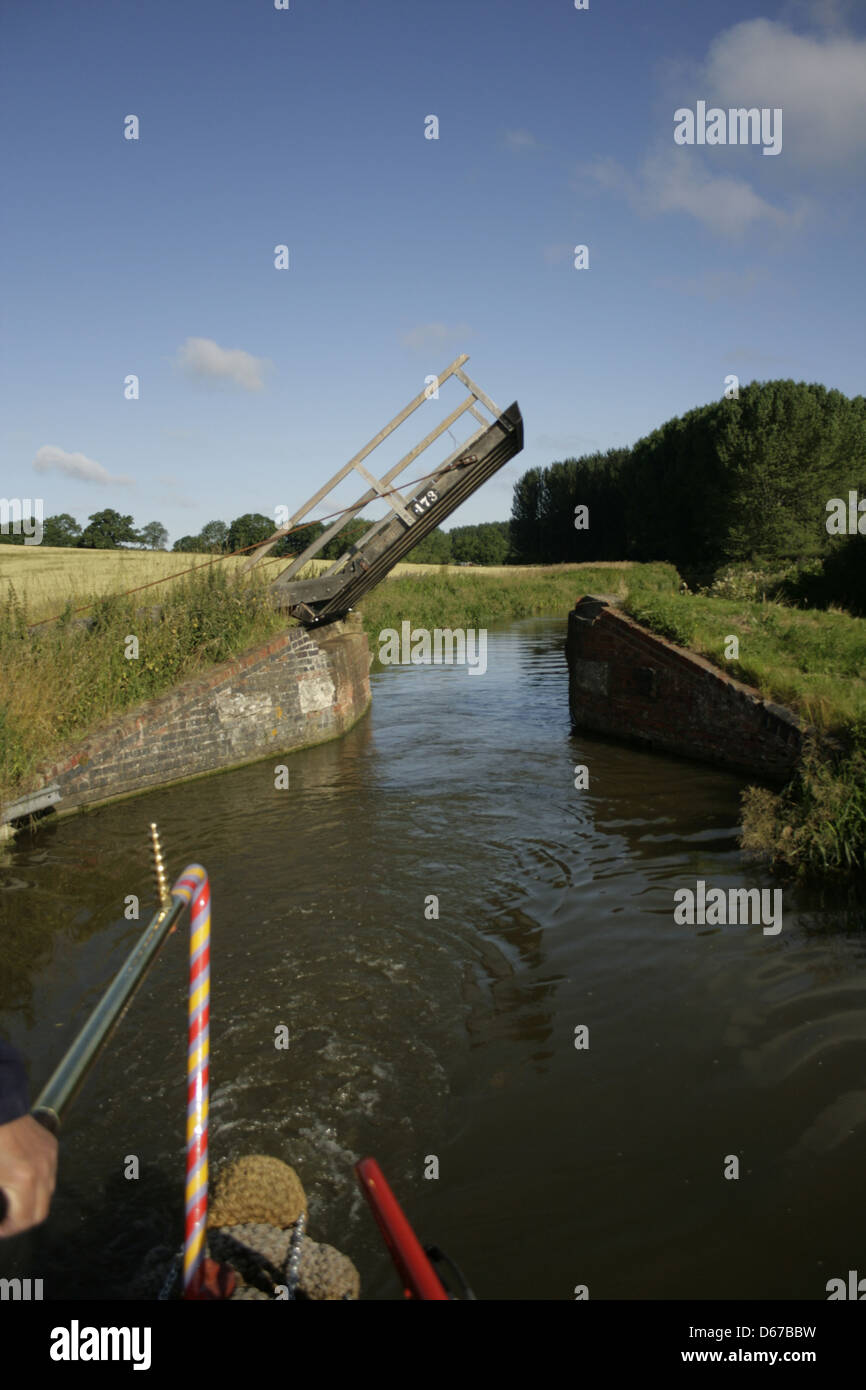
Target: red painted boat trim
[[420, 1279]]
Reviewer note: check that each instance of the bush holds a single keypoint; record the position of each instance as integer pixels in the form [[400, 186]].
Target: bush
[[818, 823], [839, 581]]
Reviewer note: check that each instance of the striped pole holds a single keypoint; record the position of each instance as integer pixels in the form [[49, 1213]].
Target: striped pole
[[193, 887]]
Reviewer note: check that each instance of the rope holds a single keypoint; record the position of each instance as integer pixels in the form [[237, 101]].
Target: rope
[[293, 1262]]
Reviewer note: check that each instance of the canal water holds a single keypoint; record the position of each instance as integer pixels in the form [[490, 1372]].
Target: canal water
[[415, 1036]]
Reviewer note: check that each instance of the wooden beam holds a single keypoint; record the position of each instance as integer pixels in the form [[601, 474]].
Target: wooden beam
[[358, 458], [370, 496], [386, 520], [479, 394], [394, 500]]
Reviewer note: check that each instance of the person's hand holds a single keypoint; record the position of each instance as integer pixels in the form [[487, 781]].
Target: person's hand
[[28, 1170]]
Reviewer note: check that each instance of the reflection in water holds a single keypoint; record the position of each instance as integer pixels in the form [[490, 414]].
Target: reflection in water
[[413, 1035]]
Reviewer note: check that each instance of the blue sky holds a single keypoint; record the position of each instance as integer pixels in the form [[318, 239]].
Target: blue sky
[[306, 127]]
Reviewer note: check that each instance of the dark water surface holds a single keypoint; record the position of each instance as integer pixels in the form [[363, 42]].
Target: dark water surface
[[413, 1037]]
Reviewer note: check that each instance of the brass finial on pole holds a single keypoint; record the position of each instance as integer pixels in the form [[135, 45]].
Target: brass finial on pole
[[159, 867]]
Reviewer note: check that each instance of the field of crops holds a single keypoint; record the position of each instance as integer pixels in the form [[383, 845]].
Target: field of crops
[[44, 577]]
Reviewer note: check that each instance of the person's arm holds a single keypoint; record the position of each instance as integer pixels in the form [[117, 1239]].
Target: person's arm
[[28, 1153]]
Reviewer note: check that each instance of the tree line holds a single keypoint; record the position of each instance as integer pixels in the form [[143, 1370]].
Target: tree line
[[484, 544], [106, 530], [745, 479], [487, 543]]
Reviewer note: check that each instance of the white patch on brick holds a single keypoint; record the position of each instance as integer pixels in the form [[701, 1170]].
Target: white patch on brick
[[242, 713], [317, 692]]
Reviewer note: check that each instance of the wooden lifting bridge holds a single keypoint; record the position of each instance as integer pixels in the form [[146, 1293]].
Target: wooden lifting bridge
[[410, 518]]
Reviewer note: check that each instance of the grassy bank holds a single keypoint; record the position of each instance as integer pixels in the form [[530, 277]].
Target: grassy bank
[[817, 825], [58, 681], [814, 662], [476, 598]]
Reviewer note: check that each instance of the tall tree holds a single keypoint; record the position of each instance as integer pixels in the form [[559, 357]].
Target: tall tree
[[214, 535], [108, 530], [526, 516], [248, 530], [61, 529], [744, 479], [154, 535]]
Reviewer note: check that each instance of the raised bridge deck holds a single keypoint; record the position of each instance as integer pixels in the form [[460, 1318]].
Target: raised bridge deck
[[366, 562]]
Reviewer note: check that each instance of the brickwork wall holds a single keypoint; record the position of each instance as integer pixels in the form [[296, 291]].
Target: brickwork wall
[[297, 689], [628, 682]]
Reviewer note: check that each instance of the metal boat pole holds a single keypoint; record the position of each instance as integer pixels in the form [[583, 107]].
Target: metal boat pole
[[71, 1071]]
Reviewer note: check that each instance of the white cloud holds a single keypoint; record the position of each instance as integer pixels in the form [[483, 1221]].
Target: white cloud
[[818, 81], [677, 180], [519, 140], [673, 182], [431, 335], [50, 459], [206, 360]]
